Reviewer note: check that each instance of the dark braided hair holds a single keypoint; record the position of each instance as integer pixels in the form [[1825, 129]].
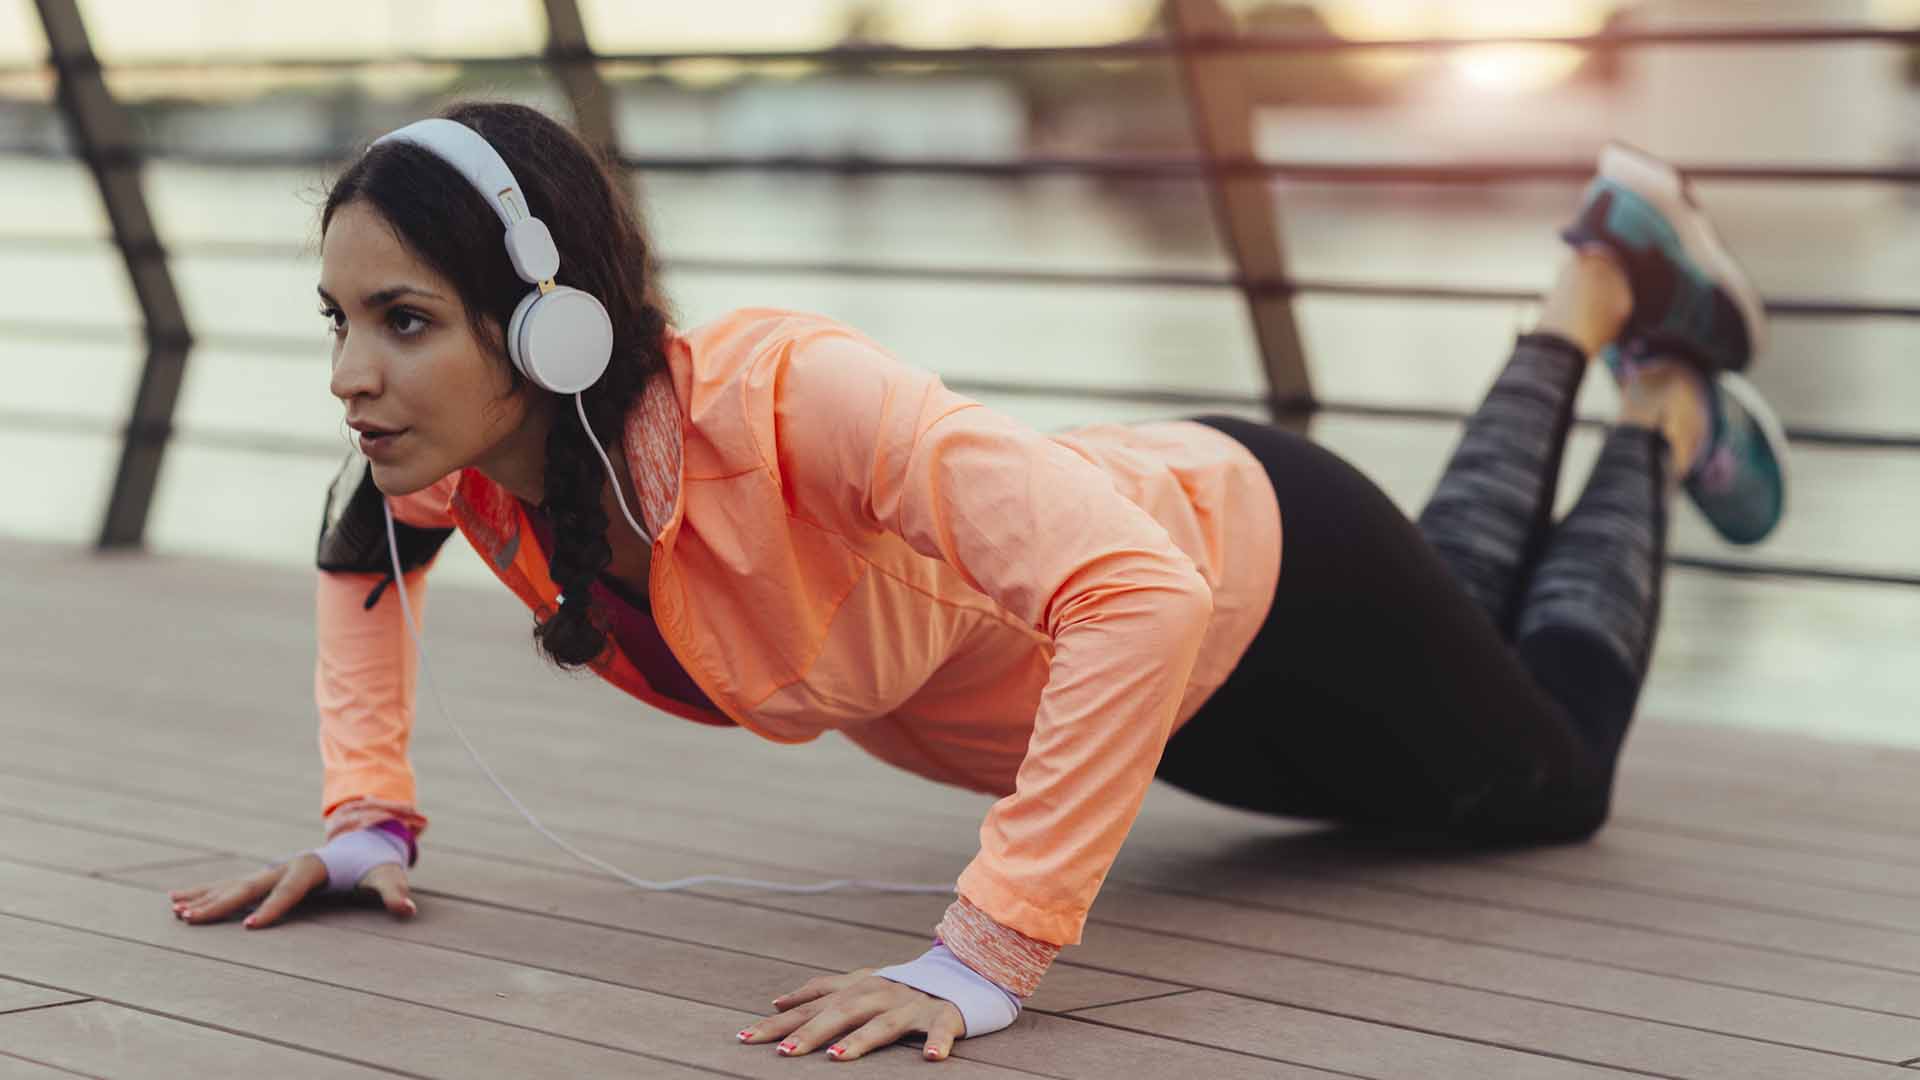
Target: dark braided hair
[[604, 251]]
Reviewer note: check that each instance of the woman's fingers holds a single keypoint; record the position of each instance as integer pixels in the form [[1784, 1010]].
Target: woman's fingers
[[819, 987], [846, 1011], [948, 1025], [781, 1023], [882, 1030], [213, 902], [390, 881], [298, 878], [877, 1012]]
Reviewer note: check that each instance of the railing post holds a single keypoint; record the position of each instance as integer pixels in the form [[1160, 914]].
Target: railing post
[[104, 140], [570, 55], [1222, 108]]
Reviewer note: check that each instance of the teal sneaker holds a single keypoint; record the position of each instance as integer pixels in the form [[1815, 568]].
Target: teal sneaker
[[1689, 295], [1740, 482]]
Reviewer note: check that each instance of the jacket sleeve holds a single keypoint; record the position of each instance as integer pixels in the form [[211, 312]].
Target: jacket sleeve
[[365, 665], [864, 442]]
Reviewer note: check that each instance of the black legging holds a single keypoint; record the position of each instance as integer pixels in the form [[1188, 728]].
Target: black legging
[[1383, 688]]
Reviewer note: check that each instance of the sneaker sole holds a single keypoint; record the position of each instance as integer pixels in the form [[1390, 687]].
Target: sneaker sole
[[1662, 185]]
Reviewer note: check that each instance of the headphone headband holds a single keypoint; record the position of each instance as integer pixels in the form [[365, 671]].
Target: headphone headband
[[529, 244], [464, 149]]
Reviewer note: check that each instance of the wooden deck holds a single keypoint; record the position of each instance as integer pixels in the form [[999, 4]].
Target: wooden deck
[[1752, 913]]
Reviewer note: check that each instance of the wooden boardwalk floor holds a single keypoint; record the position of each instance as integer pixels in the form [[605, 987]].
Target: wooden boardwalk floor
[[1752, 913]]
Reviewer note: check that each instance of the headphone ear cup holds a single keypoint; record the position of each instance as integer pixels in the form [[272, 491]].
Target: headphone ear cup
[[560, 340], [513, 338]]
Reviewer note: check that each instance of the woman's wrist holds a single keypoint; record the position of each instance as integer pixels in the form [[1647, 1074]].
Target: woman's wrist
[[1004, 955], [984, 1005], [349, 856]]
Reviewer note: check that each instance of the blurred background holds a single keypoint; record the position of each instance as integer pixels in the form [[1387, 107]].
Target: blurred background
[[1414, 201]]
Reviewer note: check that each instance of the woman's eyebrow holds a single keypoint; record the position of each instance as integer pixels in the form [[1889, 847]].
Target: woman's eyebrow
[[381, 296]]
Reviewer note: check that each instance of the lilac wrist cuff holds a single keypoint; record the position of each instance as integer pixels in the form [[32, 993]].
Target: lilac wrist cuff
[[350, 855], [983, 1004]]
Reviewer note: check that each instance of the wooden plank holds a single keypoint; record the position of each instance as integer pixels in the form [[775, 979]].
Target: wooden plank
[[108, 1040], [84, 849], [1669, 791], [1360, 1048], [516, 1019], [1605, 868], [1626, 947], [15, 996], [355, 1027], [1665, 998], [1740, 862], [1870, 946], [1770, 754], [19, 1068], [1732, 825]]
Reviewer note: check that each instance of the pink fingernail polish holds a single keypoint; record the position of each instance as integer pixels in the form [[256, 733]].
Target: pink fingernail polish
[[744, 1036], [836, 1051], [788, 1048]]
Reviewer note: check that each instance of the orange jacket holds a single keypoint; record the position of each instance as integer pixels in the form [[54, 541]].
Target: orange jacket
[[844, 544]]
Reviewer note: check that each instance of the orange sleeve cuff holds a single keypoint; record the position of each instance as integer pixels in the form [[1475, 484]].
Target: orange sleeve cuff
[[364, 813], [1010, 958]]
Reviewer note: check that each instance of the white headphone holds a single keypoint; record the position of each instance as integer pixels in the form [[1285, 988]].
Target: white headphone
[[559, 337]]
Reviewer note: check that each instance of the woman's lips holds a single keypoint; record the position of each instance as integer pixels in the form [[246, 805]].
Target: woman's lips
[[378, 446]]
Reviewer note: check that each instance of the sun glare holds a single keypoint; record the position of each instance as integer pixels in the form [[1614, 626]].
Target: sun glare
[[1504, 69]]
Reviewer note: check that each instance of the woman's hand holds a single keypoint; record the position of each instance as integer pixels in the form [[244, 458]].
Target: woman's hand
[[283, 886], [880, 1009]]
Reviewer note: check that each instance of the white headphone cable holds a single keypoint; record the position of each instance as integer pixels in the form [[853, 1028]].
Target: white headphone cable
[[406, 612]]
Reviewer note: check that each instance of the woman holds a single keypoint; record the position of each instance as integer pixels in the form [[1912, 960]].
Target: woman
[[835, 541]]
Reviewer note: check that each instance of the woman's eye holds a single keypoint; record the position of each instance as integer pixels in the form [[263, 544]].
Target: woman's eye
[[405, 323]]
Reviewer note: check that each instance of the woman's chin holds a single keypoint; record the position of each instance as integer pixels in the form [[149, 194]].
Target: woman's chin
[[396, 479]]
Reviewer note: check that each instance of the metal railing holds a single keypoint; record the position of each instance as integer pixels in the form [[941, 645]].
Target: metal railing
[[1200, 44]]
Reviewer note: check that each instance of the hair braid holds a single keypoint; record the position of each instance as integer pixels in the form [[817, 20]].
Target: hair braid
[[576, 633]]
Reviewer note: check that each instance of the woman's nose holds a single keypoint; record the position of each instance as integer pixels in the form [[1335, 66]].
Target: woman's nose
[[356, 370]]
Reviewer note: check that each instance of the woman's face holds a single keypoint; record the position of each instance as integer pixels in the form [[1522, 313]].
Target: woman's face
[[405, 359]]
